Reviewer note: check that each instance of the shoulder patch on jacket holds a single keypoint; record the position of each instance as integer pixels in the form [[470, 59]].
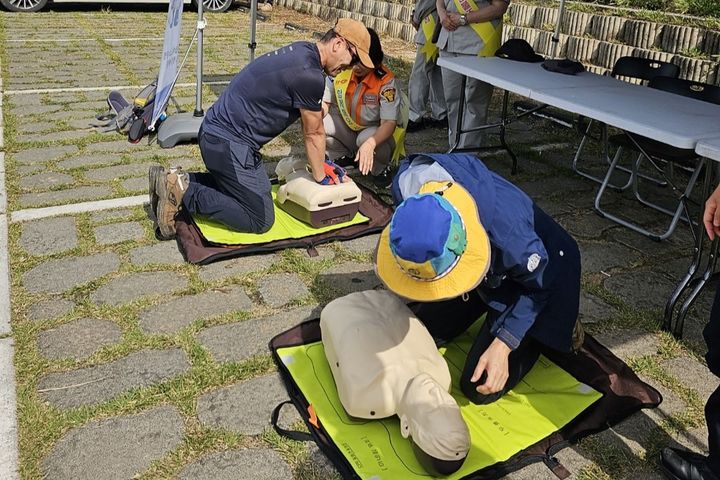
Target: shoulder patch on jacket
[[389, 94]]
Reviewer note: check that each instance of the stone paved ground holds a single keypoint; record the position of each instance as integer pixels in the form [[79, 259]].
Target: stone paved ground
[[133, 364]]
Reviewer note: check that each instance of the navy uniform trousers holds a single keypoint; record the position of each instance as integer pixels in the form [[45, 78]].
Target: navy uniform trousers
[[712, 408]]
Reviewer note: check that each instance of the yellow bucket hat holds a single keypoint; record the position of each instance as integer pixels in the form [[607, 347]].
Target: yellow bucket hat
[[435, 247]]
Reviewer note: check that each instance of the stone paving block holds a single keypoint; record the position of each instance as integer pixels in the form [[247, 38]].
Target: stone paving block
[[280, 289], [49, 309], [106, 215], [133, 286], [585, 224], [317, 465], [116, 146], [36, 127], [601, 257], [34, 156], [135, 184], [56, 276], [641, 289], [117, 171], [99, 383], [49, 235], [594, 309], [246, 406], [237, 342], [178, 313], [52, 137], [351, 277], [161, 253], [23, 170], [78, 339], [89, 160], [27, 110], [366, 244], [635, 433], [237, 266], [627, 344], [693, 374], [118, 232], [250, 464], [71, 195], [117, 448], [46, 181]]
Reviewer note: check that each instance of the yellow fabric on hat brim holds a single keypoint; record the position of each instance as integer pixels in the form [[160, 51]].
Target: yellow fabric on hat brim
[[470, 269]]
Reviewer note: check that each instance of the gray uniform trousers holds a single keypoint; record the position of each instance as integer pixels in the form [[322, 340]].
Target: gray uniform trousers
[[426, 83], [475, 109], [342, 140]]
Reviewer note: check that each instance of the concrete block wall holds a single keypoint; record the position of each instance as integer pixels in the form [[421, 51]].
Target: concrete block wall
[[593, 39]]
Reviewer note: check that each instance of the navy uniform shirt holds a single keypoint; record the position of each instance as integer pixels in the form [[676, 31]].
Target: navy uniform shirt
[[267, 95]]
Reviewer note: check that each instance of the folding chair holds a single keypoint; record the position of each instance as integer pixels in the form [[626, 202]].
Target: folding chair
[[663, 159], [635, 70]]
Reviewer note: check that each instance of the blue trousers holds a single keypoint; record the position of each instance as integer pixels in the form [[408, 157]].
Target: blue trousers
[[236, 191], [712, 408]]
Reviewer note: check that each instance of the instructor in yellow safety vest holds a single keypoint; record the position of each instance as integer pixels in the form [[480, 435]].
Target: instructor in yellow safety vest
[[365, 115], [469, 28]]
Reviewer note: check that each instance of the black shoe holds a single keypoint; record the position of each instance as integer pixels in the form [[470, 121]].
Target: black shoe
[[440, 124], [384, 179], [685, 465], [415, 126]]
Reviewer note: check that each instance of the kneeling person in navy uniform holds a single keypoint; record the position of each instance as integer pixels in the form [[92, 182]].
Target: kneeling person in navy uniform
[[469, 241]]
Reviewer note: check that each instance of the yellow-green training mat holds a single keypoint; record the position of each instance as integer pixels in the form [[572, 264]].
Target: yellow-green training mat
[[544, 401], [564, 398], [285, 226]]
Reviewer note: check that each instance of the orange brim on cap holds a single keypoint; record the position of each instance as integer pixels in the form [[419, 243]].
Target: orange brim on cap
[[470, 269]]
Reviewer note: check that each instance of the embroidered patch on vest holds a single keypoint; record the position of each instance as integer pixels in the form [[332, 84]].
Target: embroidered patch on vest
[[389, 94], [370, 99]]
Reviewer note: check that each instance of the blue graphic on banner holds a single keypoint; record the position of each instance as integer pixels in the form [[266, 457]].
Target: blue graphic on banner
[[169, 61]]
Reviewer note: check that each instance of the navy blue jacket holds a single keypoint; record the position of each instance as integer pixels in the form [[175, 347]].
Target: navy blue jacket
[[533, 284]]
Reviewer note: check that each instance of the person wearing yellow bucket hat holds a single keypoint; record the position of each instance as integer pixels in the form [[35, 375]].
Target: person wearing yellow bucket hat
[[469, 241]]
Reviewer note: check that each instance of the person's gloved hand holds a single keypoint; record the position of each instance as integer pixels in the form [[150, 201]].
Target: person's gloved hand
[[334, 173]]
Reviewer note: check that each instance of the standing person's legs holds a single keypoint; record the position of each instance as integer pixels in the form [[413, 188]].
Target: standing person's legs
[[238, 194], [383, 153], [340, 139], [438, 107], [452, 82], [712, 408], [418, 87], [520, 362]]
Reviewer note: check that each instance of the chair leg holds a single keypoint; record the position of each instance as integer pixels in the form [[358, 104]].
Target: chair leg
[[605, 155], [655, 206]]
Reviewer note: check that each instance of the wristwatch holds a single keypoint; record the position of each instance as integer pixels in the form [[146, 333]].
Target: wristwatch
[[463, 20]]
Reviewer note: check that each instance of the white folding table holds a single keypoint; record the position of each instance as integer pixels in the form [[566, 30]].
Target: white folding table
[[666, 117]]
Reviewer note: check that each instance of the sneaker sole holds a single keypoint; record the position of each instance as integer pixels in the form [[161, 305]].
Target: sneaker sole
[[167, 232], [154, 172]]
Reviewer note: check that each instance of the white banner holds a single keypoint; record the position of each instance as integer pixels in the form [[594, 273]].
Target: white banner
[[169, 61]]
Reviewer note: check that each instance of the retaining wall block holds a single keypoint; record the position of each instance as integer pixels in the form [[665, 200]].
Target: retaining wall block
[[354, 6], [641, 34], [606, 28], [576, 23], [598, 70], [653, 54], [695, 69], [366, 6], [582, 49], [381, 25], [608, 53], [544, 44], [356, 16], [406, 14], [315, 9], [394, 28], [522, 15], [408, 32], [711, 45], [325, 12], [508, 32], [381, 9], [545, 18], [395, 12], [528, 34], [677, 39]]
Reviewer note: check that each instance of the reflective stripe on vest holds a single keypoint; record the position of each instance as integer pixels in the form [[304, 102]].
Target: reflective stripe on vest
[[488, 33]]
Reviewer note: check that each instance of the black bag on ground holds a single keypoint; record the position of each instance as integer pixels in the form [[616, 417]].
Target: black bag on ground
[[128, 117]]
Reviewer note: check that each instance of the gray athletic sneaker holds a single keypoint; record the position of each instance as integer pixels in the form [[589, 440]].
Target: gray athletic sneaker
[[170, 189]]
